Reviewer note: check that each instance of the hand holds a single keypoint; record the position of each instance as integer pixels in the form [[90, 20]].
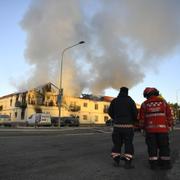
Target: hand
[[143, 132], [170, 129]]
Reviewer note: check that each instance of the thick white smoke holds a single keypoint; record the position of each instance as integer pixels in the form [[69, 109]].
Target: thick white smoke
[[124, 39]]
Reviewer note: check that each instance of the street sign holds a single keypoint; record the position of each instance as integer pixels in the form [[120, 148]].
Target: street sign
[[59, 99]]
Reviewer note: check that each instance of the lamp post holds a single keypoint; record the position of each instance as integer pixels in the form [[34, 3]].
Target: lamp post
[[60, 95], [177, 100]]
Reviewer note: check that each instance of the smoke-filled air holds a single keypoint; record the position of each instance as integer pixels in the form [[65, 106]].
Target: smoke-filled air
[[124, 40]]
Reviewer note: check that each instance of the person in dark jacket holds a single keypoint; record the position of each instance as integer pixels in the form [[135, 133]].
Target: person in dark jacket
[[124, 113]]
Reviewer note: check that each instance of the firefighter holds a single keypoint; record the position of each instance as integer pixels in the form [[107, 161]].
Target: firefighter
[[123, 111], [156, 120]]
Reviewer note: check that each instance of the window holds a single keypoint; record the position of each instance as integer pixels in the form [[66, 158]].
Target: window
[[15, 114], [17, 97], [96, 106], [96, 119], [105, 118], [105, 108], [84, 117], [10, 102], [1, 108], [85, 104]]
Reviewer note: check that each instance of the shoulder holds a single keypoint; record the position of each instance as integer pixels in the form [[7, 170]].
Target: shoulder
[[160, 99], [130, 99], [144, 103], [114, 100]]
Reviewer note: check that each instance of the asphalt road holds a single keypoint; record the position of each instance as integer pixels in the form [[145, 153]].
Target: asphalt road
[[75, 153]]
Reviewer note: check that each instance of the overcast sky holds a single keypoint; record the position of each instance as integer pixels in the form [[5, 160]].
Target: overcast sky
[[128, 43]]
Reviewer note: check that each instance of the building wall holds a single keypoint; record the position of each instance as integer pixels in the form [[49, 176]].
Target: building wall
[[8, 107], [88, 111]]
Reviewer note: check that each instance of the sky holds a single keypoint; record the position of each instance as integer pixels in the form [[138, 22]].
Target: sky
[[127, 43]]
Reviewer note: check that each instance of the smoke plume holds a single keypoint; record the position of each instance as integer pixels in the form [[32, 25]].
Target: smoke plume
[[124, 40]]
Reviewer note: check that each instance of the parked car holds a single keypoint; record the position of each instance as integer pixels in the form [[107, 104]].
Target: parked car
[[39, 119], [65, 121], [69, 121], [109, 122], [5, 120], [55, 121]]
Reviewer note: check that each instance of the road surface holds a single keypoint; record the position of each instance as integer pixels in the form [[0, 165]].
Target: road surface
[[75, 153]]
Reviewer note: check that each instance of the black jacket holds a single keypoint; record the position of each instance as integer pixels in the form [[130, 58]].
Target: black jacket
[[123, 110]]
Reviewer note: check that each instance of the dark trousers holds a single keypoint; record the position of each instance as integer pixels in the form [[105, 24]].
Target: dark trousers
[[158, 144], [122, 136]]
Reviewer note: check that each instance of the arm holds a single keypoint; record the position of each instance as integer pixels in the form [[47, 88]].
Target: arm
[[169, 116], [135, 112], [141, 116], [111, 111]]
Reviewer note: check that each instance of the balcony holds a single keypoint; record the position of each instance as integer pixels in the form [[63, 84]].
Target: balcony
[[74, 108], [20, 104]]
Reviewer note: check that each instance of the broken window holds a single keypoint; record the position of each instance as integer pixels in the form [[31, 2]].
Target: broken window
[[10, 102], [22, 113]]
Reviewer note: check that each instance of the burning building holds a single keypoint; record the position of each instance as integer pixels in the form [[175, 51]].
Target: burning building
[[19, 106]]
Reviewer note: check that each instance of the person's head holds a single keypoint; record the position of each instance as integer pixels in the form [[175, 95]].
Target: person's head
[[150, 91], [124, 91]]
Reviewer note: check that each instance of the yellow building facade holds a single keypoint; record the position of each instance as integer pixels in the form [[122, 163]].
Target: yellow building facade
[[19, 106]]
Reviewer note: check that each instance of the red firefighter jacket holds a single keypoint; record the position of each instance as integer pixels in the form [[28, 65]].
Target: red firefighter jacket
[[155, 115]]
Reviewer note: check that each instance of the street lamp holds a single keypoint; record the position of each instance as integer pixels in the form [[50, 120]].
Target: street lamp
[[60, 95], [177, 100]]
